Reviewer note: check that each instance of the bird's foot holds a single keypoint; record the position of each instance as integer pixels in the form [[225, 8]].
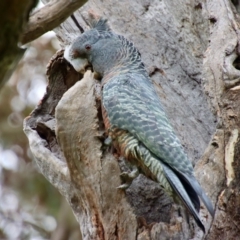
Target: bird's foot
[[124, 186], [108, 141], [127, 178]]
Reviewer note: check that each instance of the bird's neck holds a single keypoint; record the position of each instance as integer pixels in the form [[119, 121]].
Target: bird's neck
[[123, 58], [126, 65]]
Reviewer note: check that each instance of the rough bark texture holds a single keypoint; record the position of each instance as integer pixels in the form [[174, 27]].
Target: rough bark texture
[[190, 49]]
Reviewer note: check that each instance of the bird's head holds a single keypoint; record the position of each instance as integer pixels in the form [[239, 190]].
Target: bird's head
[[96, 47], [106, 51]]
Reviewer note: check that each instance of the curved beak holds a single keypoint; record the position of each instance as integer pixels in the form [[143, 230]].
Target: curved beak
[[79, 64]]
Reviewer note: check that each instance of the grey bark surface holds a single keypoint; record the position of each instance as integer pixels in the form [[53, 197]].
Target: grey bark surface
[[190, 49]]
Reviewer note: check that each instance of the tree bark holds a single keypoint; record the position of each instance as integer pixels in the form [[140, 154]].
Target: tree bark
[[41, 21], [14, 16], [190, 49]]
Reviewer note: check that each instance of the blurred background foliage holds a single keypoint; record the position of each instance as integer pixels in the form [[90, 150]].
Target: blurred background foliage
[[30, 208]]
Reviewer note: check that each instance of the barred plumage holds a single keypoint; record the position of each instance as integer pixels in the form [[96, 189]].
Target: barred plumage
[[134, 116], [139, 155]]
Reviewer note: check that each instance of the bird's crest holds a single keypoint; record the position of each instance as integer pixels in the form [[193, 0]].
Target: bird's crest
[[101, 25], [98, 23]]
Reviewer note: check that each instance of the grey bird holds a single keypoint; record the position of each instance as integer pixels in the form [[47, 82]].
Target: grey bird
[[133, 115]]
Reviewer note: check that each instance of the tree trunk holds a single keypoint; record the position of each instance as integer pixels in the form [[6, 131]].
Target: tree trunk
[[190, 49]]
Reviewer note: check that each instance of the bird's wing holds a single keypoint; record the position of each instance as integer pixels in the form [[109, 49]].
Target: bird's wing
[[132, 104]]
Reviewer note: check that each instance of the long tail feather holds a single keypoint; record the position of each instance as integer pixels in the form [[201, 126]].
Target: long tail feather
[[195, 185], [178, 187]]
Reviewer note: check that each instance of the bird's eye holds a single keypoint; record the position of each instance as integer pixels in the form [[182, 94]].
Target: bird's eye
[[88, 47]]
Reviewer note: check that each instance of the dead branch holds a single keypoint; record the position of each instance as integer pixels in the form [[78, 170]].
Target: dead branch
[[49, 17]]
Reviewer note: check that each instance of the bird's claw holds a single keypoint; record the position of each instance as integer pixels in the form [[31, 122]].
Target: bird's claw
[[128, 177], [124, 186], [108, 141]]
